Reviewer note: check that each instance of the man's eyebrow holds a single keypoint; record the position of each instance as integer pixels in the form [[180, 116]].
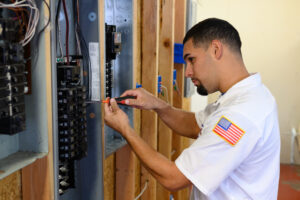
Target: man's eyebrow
[[186, 55]]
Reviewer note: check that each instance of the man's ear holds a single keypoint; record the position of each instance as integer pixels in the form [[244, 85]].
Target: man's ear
[[217, 49]]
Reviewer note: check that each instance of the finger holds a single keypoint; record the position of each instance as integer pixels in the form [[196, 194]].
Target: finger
[[107, 109], [114, 105], [132, 102], [129, 93]]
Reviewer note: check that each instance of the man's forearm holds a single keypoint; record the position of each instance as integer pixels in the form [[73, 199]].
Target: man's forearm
[[182, 122], [162, 169]]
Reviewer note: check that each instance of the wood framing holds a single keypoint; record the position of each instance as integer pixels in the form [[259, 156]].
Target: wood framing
[[109, 162], [165, 69], [180, 143], [38, 178], [149, 82], [109, 178]]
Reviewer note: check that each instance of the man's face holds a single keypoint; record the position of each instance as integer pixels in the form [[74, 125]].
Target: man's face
[[198, 67]]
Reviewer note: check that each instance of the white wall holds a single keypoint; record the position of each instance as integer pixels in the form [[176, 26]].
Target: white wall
[[270, 33]]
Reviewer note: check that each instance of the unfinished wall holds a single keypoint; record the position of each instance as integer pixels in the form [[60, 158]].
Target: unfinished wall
[[270, 34]]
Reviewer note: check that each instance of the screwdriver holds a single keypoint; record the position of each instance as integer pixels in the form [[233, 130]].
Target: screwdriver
[[120, 100]]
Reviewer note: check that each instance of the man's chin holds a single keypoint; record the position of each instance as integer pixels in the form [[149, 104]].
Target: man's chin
[[202, 91]]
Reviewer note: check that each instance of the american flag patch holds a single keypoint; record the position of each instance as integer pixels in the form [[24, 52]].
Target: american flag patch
[[228, 131]]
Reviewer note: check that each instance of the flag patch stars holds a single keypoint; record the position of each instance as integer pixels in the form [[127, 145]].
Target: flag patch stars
[[227, 130]]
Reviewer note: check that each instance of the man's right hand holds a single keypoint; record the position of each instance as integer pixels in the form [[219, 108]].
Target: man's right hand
[[144, 99]]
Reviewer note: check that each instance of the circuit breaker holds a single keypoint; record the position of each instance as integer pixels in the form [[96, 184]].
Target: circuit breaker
[[72, 132], [113, 47], [12, 78]]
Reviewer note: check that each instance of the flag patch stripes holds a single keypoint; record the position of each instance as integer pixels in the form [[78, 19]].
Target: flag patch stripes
[[228, 131]]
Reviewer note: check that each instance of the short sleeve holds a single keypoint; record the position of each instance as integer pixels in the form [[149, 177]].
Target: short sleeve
[[211, 158], [199, 118]]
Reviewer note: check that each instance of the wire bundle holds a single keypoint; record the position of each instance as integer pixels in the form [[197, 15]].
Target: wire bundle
[[81, 44], [33, 17]]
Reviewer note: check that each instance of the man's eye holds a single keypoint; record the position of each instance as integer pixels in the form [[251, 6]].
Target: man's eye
[[191, 59]]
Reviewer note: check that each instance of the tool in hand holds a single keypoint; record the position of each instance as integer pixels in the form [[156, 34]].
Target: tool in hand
[[120, 100]]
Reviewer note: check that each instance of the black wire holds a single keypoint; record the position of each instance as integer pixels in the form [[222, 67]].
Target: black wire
[[56, 21], [84, 50]]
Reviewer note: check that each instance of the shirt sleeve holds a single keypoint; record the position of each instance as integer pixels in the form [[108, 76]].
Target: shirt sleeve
[[211, 158], [199, 118]]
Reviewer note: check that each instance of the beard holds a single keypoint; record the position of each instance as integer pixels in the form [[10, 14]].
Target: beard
[[201, 90]]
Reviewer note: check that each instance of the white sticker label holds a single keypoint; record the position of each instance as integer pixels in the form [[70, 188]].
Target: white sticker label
[[95, 66]]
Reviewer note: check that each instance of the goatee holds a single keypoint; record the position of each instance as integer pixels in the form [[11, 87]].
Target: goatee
[[202, 91]]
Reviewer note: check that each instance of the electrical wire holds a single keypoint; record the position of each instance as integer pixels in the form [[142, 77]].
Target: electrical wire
[[177, 88], [34, 15], [58, 30], [83, 48], [166, 89], [67, 31], [38, 37], [143, 190]]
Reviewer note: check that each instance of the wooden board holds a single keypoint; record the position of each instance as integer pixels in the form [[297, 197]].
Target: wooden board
[[38, 178], [10, 187], [178, 142], [137, 66], [165, 69], [125, 174], [109, 177], [149, 82]]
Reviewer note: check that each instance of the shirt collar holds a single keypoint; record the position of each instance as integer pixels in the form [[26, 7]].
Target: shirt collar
[[251, 81]]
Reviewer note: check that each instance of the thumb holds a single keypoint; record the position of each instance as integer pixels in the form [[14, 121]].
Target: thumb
[[106, 107], [114, 105]]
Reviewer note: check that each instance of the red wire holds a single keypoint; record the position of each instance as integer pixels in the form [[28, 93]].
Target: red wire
[[67, 31]]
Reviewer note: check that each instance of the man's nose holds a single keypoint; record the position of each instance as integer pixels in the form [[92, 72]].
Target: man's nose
[[188, 71]]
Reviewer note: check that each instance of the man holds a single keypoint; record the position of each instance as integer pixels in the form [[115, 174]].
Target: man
[[237, 147]]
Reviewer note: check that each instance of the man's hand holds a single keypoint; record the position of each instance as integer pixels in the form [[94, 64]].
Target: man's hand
[[115, 117], [144, 99]]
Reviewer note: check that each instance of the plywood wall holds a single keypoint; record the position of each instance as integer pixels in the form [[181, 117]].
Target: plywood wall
[[10, 187]]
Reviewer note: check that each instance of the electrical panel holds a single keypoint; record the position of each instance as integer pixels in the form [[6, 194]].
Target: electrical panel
[[13, 81], [78, 137], [72, 132]]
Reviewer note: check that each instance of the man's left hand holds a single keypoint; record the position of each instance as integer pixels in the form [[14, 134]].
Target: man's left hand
[[115, 117]]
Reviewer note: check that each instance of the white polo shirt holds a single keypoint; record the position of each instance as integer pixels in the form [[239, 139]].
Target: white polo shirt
[[237, 154]]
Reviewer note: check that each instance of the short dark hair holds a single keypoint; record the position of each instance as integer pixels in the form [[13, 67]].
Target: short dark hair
[[212, 28]]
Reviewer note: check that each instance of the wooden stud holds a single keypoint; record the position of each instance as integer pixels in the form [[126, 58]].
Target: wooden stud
[[149, 82], [165, 69], [125, 174], [137, 66], [37, 178], [109, 177], [109, 162], [179, 142]]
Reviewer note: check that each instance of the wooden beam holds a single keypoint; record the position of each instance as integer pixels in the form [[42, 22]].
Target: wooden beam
[[108, 163], [38, 178], [180, 143], [149, 82], [165, 69], [125, 175], [109, 178], [137, 65]]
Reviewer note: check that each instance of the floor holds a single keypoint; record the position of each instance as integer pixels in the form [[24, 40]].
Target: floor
[[289, 183]]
